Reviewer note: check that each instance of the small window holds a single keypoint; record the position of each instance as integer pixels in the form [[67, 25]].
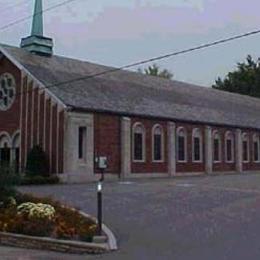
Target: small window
[[229, 149], [138, 143], [157, 143], [82, 143], [181, 145], [256, 148], [245, 147], [216, 147], [197, 145]]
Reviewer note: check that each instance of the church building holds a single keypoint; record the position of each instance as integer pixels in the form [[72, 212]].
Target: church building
[[145, 126]]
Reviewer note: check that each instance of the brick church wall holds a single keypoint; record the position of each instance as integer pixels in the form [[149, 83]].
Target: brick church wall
[[149, 166], [107, 140], [10, 119], [190, 166], [27, 115]]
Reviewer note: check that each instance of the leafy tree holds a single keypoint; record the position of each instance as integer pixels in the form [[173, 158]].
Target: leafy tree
[[37, 162], [245, 79], [155, 70]]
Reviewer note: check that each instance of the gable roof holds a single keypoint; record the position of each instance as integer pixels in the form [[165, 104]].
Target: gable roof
[[131, 93]]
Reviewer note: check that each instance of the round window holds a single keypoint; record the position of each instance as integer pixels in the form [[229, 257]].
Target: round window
[[7, 91]]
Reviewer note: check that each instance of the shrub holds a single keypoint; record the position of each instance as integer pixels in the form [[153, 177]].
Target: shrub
[[39, 180], [37, 162], [39, 210], [8, 180]]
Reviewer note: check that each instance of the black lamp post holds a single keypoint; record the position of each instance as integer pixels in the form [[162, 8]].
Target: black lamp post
[[102, 165]]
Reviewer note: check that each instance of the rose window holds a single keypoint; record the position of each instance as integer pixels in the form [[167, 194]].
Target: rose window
[[7, 91]]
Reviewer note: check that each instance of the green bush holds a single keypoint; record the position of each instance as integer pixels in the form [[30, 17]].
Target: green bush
[[39, 180], [37, 162], [8, 180]]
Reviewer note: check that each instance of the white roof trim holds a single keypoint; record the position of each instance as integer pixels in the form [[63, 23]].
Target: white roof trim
[[23, 69]]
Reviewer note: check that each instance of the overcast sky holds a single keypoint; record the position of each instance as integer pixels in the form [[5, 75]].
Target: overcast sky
[[118, 32]]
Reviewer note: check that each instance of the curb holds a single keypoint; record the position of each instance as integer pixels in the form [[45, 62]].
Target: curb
[[112, 242]]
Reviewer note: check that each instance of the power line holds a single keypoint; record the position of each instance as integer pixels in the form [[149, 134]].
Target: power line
[[138, 63], [14, 6], [31, 16]]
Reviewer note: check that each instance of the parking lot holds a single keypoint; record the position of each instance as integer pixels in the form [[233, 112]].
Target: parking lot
[[211, 218]]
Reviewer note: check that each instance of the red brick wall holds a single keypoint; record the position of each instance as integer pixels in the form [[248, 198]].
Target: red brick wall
[[10, 119], [29, 132], [251, 165], [107, 140], [149, 166], [190, 166], [223, 165]]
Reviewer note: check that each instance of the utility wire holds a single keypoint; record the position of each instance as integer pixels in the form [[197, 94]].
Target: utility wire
[[138, 63], [4, 27], [14, 6]]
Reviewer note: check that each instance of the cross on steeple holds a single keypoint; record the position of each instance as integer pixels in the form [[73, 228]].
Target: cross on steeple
[[37, 43]]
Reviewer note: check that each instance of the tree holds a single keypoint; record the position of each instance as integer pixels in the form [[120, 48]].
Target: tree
[[155, 70], [245, 79], [37, 162]]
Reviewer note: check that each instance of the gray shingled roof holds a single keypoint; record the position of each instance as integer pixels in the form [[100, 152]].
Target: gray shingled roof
[[136, 94]]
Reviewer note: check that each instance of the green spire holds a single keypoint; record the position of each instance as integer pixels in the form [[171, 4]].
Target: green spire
[[37, 24], [37, 43]]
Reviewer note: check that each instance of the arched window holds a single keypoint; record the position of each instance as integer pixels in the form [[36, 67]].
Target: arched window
[[138, 142], [245, 146], [158, 143], [256, 148], [216, 147], [181, 145], [5, 151], [196, 145], [229, 147]]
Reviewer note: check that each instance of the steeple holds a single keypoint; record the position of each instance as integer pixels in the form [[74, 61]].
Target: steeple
[[37, 24], [37, 43]]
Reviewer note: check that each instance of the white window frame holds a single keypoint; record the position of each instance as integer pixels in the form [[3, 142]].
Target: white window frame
[[155, 127], [256, 140], [181, 129], [136, 125], [196, 133], [216, 135], [245, 137], [229, 136]]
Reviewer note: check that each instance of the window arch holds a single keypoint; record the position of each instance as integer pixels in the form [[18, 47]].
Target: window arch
[[245, 147], [197, 145], [216, 147], [256, 147], [5, 148], [229, 147], [138, 143], [157, 144], [181, 144]]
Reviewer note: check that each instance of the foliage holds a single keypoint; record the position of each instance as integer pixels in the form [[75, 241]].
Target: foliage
[[39, 180], [37, 162], [39, 210], [8, 180], [245, 79], [155, 70], [67, 223]]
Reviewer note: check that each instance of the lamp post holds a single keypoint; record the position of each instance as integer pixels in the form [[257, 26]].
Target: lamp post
[[99, 204], [102, 165]]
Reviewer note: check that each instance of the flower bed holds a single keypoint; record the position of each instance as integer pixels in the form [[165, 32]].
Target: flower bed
[[44, 217]]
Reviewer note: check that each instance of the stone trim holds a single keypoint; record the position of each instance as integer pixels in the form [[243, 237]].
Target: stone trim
[[238, 145], [42, 243], [125, 147], [171, 144], [208, 150]]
